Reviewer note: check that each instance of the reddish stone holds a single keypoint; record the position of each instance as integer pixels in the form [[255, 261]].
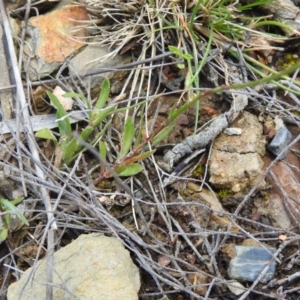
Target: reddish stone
[[182, 120], [271, 133], [59, 36]]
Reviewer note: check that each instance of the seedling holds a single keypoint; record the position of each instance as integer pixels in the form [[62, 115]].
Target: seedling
[[7, 208], [68, 144]]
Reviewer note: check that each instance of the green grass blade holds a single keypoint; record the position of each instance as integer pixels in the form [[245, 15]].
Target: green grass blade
[[17, 201], [253, 4], [105, 89], [46, 134], [162, 134], [175, 51], [102, 149], [3, 235], [128, 136], [12, 209], [99, 116], [64, 124], [70, 151], [129, 170], [73, 95]]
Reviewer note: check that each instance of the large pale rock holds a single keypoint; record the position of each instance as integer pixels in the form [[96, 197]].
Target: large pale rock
[[236, 161], [92, 267], [54, 37], [94, 58]]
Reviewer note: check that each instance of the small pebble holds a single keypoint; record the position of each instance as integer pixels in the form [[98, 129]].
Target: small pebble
[[279, 142], [249, 262], [233, 131]]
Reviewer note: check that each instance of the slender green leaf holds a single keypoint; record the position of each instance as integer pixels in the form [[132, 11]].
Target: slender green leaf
[[97, 119], [80, 96], [181, 66], [255, 3], [100, 134], [175, 51], [46, 134], [3, 234], [141, 156], [17, 201], [70, 150], [86, 132], [64, 124], [102, 149], [129, 170], [187, 56], [6, 220], [192, 19], [11, 208], [73, 95], [99, 116], [162, 134], [105, 89], [128, 136]]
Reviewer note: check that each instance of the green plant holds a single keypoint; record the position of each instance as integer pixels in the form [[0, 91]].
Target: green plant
[[7, 208], [126, 164], [199, 171], [178, 52], [221, 23], [224, 193], [70, 146]]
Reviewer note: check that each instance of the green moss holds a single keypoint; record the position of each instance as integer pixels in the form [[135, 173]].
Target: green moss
[[265, 195], [287, 61], [296, 112], [184, 194], [224, 193], [199, 171]]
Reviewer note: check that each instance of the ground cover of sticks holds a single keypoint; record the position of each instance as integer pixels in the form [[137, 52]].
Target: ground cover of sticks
[[155, 213]]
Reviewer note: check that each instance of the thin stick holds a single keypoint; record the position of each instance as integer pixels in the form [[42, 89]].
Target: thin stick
[[31, 141]]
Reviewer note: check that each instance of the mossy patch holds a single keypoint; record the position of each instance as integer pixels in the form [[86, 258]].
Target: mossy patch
[[224, 193]]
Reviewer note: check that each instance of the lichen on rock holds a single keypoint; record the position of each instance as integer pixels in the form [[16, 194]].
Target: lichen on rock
[[236, 161]]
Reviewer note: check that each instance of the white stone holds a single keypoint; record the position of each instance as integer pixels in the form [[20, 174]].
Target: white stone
[[233, 131]]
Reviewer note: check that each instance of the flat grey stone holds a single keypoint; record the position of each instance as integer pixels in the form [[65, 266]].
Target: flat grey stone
[[279, 142], [90, 59], [92, 267], [249, 262]]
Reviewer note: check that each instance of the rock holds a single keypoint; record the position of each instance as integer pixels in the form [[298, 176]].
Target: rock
[[278, 213], [249, 262], [285, 12], [236, 288], [279, 142], [199, 282], [290, 185], [233, 131], [53, 37], [217, 218], [236, 161], [91, 59], [278, 123], [91, 267]]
